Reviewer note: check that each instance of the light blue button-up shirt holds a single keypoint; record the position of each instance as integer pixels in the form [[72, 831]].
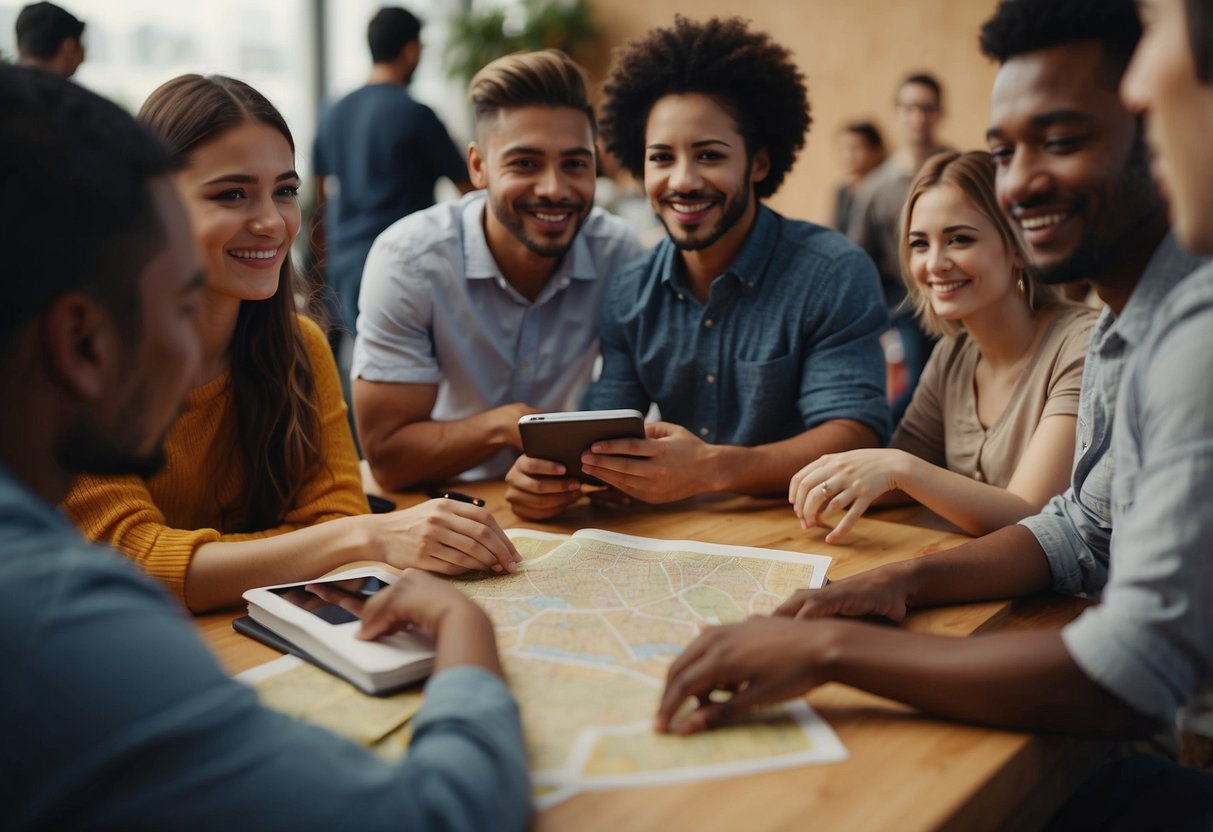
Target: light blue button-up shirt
[[789, 338], [1150, 641], [1075, 527], [435, 309]]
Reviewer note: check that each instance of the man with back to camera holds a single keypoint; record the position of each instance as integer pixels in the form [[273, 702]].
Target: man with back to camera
[[115, 714], [477, 312], [756, 336], [1072, 172], [378, 154], [49, 39], [874, 221]]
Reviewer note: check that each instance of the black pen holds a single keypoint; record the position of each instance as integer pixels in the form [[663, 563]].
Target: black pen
[[438, 494]]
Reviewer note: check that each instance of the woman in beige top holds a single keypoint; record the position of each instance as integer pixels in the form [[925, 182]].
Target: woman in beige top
[[989, 435]]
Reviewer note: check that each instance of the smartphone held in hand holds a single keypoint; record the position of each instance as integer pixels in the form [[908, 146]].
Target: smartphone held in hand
[[563, 437]]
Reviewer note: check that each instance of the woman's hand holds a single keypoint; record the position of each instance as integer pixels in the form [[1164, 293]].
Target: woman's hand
[[848, 482], [444, 536]]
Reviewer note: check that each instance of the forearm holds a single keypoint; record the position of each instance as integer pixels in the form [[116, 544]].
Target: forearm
[[976, 507], [431, 451], [1008, 563], [220, 572], [767, 469], [1022, 680], [467, 638]]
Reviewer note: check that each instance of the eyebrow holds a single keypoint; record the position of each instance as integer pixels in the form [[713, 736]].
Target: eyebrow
[[245, 179], [1044, 120], [701, 143], [950, 229], [523, 150]]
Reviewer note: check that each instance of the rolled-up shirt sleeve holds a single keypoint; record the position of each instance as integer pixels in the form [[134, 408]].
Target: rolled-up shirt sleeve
[[1075, 544], [1150, 642]]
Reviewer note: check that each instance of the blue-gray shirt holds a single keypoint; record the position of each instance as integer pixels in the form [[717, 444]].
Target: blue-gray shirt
[[789, 338], [1150, 641], [1075, 527], [115, 716]]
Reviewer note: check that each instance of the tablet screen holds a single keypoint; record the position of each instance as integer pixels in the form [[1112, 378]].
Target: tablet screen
[[317, 606]]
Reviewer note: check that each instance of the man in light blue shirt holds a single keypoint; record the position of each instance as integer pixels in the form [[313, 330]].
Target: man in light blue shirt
[[476, 313], [114, 713], [756, 336]]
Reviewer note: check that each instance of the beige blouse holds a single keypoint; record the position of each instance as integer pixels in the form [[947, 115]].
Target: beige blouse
[[941, 424]]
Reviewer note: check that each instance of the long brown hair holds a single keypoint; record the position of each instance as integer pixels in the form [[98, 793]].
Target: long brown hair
[[277, 422], [973, 174]]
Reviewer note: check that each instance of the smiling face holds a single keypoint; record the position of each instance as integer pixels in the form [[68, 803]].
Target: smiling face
[[1161, 83], [241, 192], [697, 173], [1071, 170], [538, 166], [957, 256]]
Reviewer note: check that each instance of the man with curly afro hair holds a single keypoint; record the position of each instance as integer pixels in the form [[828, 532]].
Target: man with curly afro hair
[[757, 336], [1071, 176]]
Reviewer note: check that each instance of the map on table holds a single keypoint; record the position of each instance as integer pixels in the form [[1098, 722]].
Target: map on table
[[587, 628]]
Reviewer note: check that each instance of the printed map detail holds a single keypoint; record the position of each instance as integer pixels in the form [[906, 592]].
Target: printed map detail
[[587, 628]]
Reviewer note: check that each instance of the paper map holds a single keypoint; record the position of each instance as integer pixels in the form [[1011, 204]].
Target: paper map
[[587, 628]]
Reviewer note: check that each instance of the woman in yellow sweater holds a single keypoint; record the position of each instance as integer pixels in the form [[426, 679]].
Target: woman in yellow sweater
[[260, 482]]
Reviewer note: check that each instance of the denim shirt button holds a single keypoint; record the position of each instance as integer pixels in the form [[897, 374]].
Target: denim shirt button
[[704, 431], [707, 322], [710, 379]]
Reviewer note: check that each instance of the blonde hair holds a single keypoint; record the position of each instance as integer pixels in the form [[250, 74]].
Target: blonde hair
[[548, 78], [973, 174]]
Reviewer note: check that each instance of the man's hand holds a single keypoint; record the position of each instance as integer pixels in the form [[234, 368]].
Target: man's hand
[[445, 536], [462, 632], [669, 464], [506, 422], [847, 481], [756, 662], [537, 489], [879, 592]]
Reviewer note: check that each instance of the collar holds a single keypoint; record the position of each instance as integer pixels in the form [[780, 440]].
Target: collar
[[478, 262], [750, 264]]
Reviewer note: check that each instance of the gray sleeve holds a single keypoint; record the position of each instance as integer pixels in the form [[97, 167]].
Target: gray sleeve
[[1150, 642], [123, 720]]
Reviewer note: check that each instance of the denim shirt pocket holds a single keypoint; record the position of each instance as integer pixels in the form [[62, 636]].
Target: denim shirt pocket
[[772, 385]]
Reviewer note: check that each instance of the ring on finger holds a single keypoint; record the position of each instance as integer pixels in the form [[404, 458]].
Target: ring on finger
[[825, 487]]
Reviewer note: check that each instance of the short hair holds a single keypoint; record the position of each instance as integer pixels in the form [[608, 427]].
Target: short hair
[[869, 131], [43, 27], [973, 174], [548, 78], [389, 31], [1199, 14], [751, 76], [923, 79], [75, 199], [1019, 27]]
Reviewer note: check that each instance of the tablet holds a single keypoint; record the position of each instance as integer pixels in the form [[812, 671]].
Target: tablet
[[563, 437]]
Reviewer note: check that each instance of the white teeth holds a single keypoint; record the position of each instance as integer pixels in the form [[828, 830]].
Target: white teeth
[[690, 209], [552, 217], [944, 288], [1030, 223], [245, 254]]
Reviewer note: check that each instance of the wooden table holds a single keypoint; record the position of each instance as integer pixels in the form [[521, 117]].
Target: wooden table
[[905, 771]]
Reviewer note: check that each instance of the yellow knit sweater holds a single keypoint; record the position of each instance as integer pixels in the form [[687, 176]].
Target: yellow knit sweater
[[159, 523]]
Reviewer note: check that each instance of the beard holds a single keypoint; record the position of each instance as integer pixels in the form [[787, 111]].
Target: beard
[[733, 212], [1103, 244], [90, 448], [512, 220]]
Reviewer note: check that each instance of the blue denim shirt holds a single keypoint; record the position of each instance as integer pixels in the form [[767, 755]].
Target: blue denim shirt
[[1075, 528], [1151, 640], [788, 339]]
